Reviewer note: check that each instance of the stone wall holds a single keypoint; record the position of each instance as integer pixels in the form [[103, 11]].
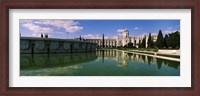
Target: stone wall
[[32, 45]]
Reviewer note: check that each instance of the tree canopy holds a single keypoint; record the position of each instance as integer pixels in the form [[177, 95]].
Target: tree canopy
[[173, 41]]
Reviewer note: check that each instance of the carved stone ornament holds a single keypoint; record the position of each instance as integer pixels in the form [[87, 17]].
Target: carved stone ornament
[[24, 44], [66, 45], [40, 45], [54, 45]]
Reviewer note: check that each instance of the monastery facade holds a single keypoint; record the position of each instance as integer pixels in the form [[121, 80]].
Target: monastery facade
[[122, 39]]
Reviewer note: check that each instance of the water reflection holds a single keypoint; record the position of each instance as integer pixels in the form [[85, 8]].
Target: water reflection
[[99, 63], [54, 60], [122, 59], [51, 64]]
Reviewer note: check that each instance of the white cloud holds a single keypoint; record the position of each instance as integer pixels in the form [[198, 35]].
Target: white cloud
[[169, 28], [37, 29], [58, 33], [94, 36], [36, 35], [73, 29], [50, 26], [136, 28], [121, 30], [113, 37], [69, 25]]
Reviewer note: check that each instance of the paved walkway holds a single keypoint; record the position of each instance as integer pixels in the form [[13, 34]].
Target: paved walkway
[[162, 57]]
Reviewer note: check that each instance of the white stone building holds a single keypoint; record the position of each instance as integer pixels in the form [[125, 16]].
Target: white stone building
[[123, 39]]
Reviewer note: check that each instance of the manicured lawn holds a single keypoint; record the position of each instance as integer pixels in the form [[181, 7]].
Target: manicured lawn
[[151, 53], [147, 49]]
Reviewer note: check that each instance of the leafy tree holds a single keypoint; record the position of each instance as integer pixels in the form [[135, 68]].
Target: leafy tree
[[150, 42], [159, 41], [129, 45], [153, 44], [173, 40], [177, 35], [165, 41]]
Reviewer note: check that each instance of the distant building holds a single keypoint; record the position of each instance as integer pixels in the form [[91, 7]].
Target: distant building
[[111, 43], [122, 39]]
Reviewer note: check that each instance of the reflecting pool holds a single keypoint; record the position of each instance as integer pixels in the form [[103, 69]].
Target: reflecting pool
[[99, 63]]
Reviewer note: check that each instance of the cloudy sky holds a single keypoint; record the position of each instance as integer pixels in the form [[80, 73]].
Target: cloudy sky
[[94, 28]]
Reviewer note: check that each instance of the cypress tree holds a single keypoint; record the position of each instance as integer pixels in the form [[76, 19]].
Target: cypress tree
[[135, 43], [150, 42], [103, 41], [144, 42], [139, 45], [165, 41], [159, 41], [80, 38]]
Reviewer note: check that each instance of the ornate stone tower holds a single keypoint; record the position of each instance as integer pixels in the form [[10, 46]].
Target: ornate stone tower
[[125, 33], [125, 39]]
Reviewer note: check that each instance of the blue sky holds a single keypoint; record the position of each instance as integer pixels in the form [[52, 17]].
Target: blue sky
[[94, 28]]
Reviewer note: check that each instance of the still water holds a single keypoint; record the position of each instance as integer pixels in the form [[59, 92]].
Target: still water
[[99, 63]]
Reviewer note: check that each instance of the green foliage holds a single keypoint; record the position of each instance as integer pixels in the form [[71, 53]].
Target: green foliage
[[139, 44], [159, 41], [150, 42], [135, 42], [129, 45], [103, 41], [173, 41], [80, 38], [165, 41], [143, 42]]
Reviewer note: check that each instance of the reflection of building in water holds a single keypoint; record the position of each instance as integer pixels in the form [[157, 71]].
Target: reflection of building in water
[[122, 58], [54, 60], [122, 39], [113, 54]]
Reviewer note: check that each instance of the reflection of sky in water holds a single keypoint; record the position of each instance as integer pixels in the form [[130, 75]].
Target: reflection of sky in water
[[101, 63]]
